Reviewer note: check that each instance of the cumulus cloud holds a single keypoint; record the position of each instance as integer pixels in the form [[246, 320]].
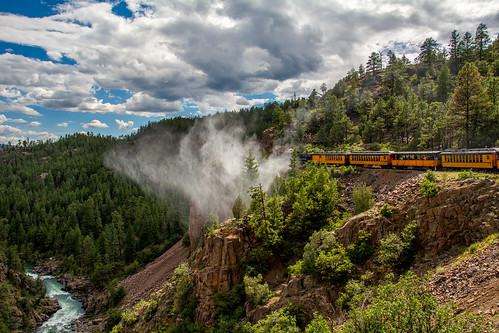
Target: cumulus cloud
[[123, 125], [94, 124], [210, 53], [63, 124], [34, 124], [3, 118], [8, 130]]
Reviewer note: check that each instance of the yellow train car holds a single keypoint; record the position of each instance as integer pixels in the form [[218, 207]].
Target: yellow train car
[[371, 158], [416, 159], [336, 158], [471, 158]]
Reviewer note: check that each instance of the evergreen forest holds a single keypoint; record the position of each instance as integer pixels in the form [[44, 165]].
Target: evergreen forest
[[57, 199]]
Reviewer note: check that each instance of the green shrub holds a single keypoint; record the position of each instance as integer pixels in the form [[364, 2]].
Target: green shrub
[[151, 310], [333, 265], [278, 321], [257, 293], [239, 208], [466, 174], [355, 292], [390, 250], [431, 176], [321, 240], [360, 250], [184, 301], [428, 187], [398, 251], [229, 309], [318, 325], [362, 197], [409, 306], [256, 262], [386, 210], [325, 258], [296, 268], [117, 295]]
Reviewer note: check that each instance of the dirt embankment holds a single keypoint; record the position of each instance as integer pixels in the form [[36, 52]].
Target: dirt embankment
[[152, 277]]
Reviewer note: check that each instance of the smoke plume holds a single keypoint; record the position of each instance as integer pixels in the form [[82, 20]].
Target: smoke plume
[[206, 164]]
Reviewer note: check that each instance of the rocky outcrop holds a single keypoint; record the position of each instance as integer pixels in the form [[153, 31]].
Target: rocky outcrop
[[462, 212], [217, 265]]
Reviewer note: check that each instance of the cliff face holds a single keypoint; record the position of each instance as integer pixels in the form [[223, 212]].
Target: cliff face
[[461, 213], [217, 266]]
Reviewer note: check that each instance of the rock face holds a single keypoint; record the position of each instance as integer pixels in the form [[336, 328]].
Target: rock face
[[216, 266], [461, 213]]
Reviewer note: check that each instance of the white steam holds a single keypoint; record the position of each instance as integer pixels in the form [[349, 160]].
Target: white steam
[[206, 165]]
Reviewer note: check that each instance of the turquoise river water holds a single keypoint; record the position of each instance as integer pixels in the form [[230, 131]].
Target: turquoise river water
[[71, 309]]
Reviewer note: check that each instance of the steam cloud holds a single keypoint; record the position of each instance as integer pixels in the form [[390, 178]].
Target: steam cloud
[[206, 165]]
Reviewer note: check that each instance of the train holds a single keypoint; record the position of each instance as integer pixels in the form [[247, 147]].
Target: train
[[481, 158]]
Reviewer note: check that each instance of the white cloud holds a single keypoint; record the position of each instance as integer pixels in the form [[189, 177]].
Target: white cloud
[[34, 124], [210, 53], [18, 121], [123, 125], [8, 130], [94, 124], [63, 124], [2, 118]]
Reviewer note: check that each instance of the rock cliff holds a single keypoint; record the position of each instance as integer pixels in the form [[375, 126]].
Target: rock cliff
[[217, 265]]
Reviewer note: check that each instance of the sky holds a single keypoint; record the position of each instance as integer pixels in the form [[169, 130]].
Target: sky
[[109, 67]]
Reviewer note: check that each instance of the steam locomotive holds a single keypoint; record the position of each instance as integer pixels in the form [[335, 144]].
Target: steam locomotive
[[483, 158]]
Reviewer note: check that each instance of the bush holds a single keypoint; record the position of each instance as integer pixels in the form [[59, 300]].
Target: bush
[[333, 265], [321, 240], [466, 174], [278, 321], [256, 262], [239, 208], [386, 210], [117, 294], [390, 250], [361, 249], [388, 311], [398, 251], [325, 258], [362, 197], [355, 292], [229, 309], [184, 301], [257, 293], [318, 325], [428, 187]]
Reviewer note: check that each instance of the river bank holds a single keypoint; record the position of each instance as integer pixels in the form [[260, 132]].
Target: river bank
[[70, 309], [93, 302]]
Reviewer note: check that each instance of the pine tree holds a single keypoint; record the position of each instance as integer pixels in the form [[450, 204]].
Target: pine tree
[[250, 173], [469, 101], [444, 81], [467, 48], [482, 39], [455, 52], [428, 52]]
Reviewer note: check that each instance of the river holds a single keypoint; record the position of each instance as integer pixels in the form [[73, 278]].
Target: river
[[71, 309]]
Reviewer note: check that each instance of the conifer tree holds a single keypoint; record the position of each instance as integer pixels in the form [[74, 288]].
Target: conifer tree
[[469, 101], [482, 39]]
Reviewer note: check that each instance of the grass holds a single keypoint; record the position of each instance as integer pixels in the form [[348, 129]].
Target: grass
[[476, 248], [452, 175]]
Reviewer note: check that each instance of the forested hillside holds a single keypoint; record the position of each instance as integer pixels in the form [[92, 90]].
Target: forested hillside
[[57, 199], [448, 98]]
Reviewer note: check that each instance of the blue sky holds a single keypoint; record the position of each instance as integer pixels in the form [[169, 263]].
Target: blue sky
[[110, 67]]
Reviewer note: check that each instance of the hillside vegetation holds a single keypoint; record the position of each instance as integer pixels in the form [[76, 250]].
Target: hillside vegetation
[[287, 251]]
